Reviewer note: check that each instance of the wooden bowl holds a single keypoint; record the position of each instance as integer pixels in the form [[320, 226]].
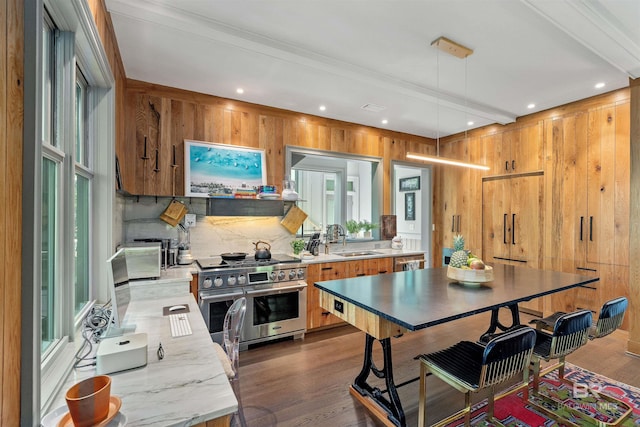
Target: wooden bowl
[[470, 277]]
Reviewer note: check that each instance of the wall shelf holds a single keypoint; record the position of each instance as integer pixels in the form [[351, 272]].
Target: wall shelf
[[244, 207]]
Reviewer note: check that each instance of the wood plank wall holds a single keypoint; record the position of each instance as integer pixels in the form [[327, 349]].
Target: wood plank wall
[[633, 345], [11, 144], [189, 115]]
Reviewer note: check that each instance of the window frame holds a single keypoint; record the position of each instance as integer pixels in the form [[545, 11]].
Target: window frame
[[82, 48]]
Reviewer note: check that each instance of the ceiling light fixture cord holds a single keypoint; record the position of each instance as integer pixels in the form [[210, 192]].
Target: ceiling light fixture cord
[[466, 110], [438, 103]]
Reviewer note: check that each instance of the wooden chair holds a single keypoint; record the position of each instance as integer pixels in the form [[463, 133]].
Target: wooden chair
[[230, 354], [470, 367]]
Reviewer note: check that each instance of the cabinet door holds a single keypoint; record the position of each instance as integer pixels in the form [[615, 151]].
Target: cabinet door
[[455, 185], [355, 268], [496, 205], [526, 220], [526, 150], [316, 315], [377, 266]]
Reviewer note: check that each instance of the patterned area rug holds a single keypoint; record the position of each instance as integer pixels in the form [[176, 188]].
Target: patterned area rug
[[512, 411]]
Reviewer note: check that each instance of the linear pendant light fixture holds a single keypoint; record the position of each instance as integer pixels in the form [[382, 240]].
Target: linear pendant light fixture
[[462, 52]]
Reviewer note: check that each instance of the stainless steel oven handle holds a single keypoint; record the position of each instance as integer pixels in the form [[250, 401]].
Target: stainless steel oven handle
[[277, 290], [219, 297]]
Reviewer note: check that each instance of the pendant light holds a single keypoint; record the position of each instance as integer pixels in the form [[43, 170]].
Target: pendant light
[[455, 49]]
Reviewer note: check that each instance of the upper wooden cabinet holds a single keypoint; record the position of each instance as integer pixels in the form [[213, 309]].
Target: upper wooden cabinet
[[516, 151]]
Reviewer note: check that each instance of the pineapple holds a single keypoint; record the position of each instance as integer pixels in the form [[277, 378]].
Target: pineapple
[[460, 255]]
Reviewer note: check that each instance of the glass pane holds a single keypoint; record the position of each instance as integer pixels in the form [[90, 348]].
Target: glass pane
[[49, 204], [81, 243], [81, 120], [47, 83]]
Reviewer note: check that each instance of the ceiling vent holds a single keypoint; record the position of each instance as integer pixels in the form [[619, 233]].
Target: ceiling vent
[[374, 108]]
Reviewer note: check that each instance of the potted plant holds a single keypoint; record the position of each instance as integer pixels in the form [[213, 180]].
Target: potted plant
[[298, 246], [367, 227], [353, 227]]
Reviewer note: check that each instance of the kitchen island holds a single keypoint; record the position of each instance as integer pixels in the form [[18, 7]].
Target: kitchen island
[[388, 305], [187, 387]]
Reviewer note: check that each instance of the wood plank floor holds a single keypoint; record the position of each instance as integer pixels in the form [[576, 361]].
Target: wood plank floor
[[306, 382]]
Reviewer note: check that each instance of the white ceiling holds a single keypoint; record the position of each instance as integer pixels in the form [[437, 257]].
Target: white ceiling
[[300, 54]]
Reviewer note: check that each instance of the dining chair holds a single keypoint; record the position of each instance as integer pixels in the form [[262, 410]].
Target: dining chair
[[609, 319], [472, 366], [229, 355], [567, 333]]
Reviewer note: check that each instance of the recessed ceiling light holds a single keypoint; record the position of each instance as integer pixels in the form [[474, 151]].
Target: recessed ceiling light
[[322, 108], [470, 123], [599, 85], [385, 121], [239, 90], [530, 106]]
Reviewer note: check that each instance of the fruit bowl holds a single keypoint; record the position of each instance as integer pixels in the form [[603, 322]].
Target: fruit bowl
[[470, 277]]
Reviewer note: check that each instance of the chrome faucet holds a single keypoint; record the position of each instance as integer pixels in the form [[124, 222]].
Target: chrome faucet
[[334, 233]]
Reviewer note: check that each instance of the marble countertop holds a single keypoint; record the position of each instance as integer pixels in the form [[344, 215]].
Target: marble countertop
[[187, 387], [380, 253]]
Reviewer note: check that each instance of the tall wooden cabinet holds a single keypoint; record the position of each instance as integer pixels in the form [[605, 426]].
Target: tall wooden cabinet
[[590, 203], [455, 194]]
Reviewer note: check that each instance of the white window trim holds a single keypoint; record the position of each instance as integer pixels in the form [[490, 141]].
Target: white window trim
[[76, 16]]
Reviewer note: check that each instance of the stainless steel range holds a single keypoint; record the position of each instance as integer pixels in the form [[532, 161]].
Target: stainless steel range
[[276, 293]]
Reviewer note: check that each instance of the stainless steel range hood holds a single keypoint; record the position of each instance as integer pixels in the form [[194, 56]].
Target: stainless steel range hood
[[244, 207]]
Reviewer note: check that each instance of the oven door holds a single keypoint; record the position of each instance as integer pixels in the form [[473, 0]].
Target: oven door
[[275, 312], [214, 307]]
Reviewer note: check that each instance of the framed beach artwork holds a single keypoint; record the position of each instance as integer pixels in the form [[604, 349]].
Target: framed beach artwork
[[219, 169]]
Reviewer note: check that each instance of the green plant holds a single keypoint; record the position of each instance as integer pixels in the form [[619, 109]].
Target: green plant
[[353, 226], [298, 246], [367, 226]]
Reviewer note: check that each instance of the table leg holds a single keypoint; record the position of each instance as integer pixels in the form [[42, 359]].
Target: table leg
[[495, 324], [392, 405]]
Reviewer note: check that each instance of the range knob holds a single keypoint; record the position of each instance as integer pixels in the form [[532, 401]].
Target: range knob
[[272, 275], [231, 280], [217, 282], [300, 273], [207, 283], [242, 279], [281, 275], [292, 274]]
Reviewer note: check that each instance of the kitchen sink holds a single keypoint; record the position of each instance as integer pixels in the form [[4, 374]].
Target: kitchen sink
[[357, 253]]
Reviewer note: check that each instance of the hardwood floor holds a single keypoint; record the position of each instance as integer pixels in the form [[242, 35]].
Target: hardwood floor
[[306, 382]]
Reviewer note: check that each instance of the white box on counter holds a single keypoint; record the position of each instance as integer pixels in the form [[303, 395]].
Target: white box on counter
[[121, 353]]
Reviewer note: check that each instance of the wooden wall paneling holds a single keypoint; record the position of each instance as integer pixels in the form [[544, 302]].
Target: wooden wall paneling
[[7, 402], [622, 158], [338, 140], [633, 345], [271, 140], [143, 146], [11, 148], [164, 176]]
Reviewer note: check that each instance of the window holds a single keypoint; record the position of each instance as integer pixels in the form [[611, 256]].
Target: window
[[334, 187], [76, 127]]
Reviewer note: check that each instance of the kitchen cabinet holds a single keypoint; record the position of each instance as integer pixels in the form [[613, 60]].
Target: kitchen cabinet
[[591, 152], [513, 224], [516, 151], [455, 192], [317, 316]]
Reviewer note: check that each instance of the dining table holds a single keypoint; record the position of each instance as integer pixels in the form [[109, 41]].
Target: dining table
[[388, 305]]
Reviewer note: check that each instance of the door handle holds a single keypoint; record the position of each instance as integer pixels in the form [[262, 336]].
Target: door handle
[[513, 165], [591, 229], [506, 165], [513, 229], [453, 223], [504, 229], [581, 225], [459, 221]]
